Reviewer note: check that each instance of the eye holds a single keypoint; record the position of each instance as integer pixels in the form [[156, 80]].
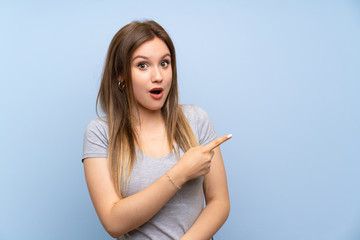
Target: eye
[[142, 66], [165, 63]]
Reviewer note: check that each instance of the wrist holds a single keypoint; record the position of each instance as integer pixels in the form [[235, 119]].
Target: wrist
[[177, 176]]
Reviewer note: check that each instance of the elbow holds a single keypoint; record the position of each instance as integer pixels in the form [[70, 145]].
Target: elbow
[[115, 228], [114, 231], [222, 207], [113, 225], [227, 210], [226, 205], [113, 234]]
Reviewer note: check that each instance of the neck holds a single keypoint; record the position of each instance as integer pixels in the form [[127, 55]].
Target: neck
[[148, 119]]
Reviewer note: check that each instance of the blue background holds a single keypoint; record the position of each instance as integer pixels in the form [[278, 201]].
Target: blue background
[[282, 76]]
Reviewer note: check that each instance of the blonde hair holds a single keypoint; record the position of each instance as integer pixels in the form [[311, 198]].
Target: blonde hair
[[117, 104]]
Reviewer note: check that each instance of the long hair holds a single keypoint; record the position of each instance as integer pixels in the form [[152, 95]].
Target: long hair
[[118, 104]]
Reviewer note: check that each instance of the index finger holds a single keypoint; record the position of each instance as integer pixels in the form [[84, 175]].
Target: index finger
[[214, 144]]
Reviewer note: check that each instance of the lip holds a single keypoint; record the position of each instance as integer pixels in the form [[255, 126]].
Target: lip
[[157, 96], [156, 89]]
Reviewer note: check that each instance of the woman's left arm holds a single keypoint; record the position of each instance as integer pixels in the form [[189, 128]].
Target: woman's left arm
[[217, 200]]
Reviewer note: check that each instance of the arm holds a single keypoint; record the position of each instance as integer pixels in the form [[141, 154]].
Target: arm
[[120, 215], [217, 207]]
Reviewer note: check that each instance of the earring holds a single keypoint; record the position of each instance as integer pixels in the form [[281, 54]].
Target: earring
[[121, 86]]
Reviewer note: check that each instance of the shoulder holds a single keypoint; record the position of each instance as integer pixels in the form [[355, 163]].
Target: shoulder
[[97, 128], [98, 124], [193, 112], [200, 123], [96, 139]]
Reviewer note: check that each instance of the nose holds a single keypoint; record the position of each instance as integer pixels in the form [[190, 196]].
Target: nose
[[156, 75]]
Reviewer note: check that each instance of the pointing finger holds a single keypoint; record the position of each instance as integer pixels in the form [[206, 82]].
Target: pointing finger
[[212, 145]]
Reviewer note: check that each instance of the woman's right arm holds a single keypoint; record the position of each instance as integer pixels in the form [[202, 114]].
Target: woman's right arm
[[120, 215]]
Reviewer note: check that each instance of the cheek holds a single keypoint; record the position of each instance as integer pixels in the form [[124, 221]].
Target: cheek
[[138, 89], [136, 86], [169, 77], [138, 80]]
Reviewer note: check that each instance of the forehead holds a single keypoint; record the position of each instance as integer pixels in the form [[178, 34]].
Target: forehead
[[154, 48]]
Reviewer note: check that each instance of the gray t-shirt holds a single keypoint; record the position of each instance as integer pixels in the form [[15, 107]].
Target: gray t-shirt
[[177, 215]]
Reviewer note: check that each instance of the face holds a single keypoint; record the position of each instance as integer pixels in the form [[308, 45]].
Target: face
[[151, 74]]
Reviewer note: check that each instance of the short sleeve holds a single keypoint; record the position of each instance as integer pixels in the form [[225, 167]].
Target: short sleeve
[[95, 140], [206, 129], [200, 123]]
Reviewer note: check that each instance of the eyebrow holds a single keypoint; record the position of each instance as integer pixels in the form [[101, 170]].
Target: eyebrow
[[139, 56]]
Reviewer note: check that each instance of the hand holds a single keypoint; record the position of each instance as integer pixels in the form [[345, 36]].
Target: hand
[[196, 161]]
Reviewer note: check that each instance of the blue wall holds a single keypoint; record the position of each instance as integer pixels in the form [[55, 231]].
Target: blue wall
[[282, 76]]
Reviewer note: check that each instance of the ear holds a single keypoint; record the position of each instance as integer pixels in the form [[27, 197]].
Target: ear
[[120, 79]]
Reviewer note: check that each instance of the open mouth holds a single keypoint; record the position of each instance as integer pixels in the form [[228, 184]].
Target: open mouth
[[156, 91]]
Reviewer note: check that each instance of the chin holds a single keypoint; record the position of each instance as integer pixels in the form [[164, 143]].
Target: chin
[[152, 107], [156, 108]]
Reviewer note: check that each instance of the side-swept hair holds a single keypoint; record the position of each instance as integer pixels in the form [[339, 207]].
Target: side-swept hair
[[118, 105]]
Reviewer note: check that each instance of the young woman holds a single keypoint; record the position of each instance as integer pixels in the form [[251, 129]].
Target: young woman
[[150, 161]]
